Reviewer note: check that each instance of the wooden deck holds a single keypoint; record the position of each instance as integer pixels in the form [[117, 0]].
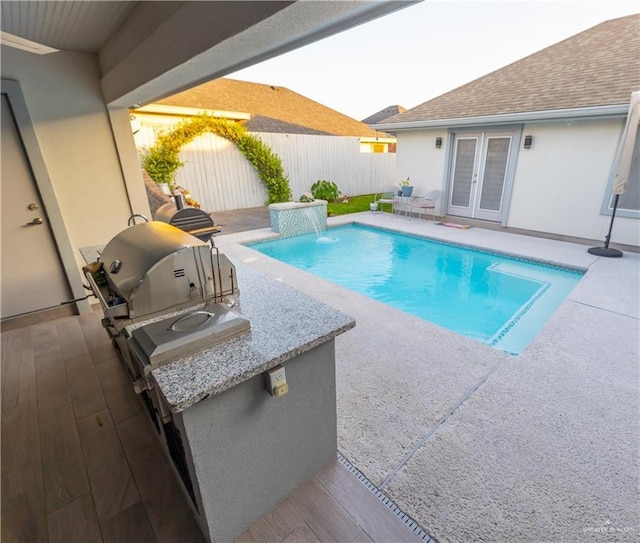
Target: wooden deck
[[81, 461]]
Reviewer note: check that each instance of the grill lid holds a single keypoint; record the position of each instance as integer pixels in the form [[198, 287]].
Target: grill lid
[[132, 253]]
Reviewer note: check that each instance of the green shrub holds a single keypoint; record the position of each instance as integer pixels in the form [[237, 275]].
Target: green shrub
[[325, 190]]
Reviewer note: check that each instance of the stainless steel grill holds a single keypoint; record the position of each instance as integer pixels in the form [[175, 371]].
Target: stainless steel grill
[[164, 294]]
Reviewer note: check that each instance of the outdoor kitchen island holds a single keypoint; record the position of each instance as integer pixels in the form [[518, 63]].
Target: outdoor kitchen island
[[246, 450], [238, 450]]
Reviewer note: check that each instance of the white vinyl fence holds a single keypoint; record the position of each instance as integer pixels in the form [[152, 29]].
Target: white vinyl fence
[[221, 179]]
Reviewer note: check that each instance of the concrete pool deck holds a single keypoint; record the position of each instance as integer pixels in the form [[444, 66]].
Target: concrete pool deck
[[478, 445]]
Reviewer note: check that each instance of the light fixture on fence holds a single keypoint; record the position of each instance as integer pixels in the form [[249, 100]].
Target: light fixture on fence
[[438, 142], [528, 141]]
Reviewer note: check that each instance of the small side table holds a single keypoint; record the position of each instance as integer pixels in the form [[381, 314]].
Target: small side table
[[402, 205]]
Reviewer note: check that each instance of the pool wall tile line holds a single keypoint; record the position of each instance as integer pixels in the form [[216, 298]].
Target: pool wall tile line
[[514, 320], [511, 256]]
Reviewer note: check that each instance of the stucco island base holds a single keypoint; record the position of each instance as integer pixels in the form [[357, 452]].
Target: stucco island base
[[249, 450]]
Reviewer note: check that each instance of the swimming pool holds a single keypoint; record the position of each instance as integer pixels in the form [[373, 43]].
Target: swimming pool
[[498, 300]]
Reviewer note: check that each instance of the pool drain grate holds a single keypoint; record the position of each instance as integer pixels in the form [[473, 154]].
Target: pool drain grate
[[406, 519]]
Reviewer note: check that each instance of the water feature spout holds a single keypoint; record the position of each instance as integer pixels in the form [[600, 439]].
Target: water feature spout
[[314, 222], [295, 218]]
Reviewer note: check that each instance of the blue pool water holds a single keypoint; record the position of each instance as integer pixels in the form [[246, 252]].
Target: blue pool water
[[494, 299]]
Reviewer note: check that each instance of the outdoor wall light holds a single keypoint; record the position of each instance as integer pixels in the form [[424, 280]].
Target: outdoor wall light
[[438, 142], [528, 141]]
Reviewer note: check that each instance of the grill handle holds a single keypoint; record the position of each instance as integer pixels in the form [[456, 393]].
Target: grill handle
[[209, 315], [132, 219]]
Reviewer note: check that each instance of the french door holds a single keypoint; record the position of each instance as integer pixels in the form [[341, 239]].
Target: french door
[[480, 175]]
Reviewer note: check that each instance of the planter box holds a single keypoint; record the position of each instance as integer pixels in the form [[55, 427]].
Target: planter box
[[407, 191], [295, 218]]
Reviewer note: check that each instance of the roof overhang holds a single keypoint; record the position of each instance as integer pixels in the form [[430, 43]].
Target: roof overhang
[[585, 113], [184, 51]]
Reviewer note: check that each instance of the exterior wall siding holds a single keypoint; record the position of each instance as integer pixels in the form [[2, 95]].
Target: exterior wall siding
[[418, 159], [559, 185], [561, 181], [86, 169], [221, 179]]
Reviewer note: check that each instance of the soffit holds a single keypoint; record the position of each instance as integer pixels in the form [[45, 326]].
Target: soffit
[[67, 25]]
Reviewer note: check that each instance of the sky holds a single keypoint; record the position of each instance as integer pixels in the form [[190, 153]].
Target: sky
[[425, 50]]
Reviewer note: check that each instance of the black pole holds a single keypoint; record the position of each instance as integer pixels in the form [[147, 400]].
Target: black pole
[[613, 216], [606, 251]]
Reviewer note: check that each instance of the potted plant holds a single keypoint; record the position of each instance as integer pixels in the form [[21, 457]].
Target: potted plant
[[406, 188]]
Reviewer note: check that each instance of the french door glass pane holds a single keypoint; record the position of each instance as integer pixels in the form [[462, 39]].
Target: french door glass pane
[[463, 173], [494, 172]]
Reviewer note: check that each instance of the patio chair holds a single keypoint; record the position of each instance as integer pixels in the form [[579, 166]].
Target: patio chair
[[387, 196], [426, 203]]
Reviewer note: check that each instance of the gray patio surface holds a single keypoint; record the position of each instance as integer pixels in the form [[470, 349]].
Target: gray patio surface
[[478, 445], [241, 220]]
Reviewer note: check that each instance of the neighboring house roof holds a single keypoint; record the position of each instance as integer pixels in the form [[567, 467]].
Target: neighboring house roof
[[383, 114], [271, 107], [598, 67], [260, 123]]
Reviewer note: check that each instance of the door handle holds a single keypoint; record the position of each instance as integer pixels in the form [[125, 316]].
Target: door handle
[[36, 221]]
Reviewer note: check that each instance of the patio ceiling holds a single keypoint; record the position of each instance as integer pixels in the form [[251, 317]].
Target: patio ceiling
[[72, 26], [150, 50]]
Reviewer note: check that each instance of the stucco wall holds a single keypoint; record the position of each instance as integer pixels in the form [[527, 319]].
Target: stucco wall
[[559, 184], [76, 139], [561, 181], [418, 159]]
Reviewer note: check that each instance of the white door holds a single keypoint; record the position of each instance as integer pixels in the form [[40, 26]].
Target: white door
[[479, 175], [464, 175], [31, 275]]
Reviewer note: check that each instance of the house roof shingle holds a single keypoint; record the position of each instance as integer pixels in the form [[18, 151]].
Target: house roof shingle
[[598, 67], [383, 114], [273, 109], [260, 123]]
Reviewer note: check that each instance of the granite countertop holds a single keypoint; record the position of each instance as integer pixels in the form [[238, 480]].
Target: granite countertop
[[284, 324]]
